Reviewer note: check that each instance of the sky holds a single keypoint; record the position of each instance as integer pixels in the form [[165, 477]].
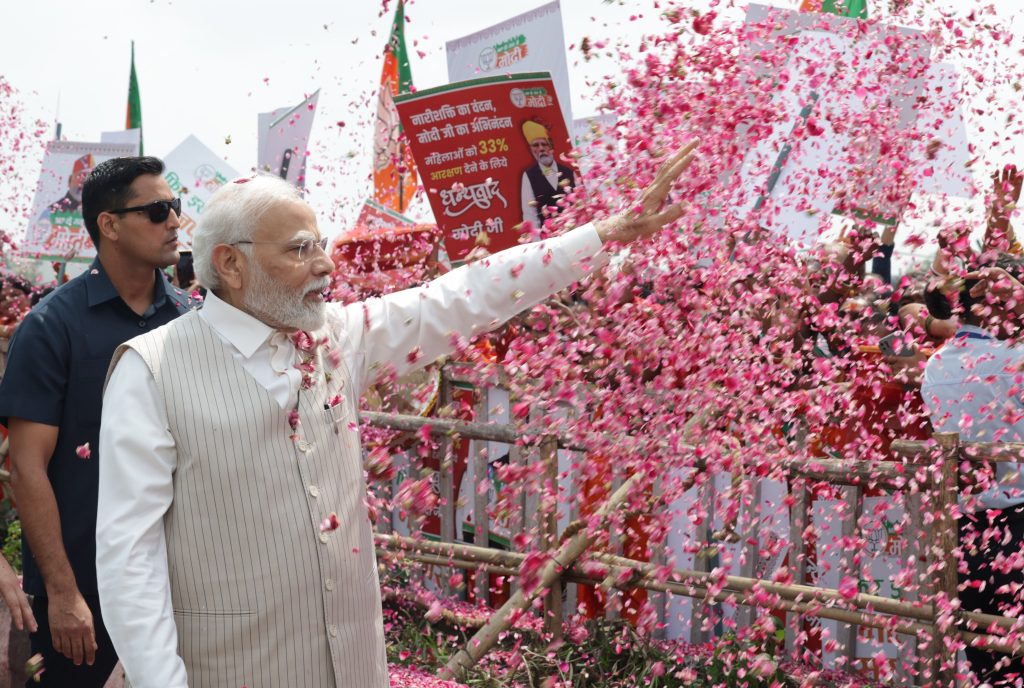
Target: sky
[[207, 67]]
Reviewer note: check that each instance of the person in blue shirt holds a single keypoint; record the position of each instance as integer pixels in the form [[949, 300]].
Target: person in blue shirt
[[50, 400], [972, 386]]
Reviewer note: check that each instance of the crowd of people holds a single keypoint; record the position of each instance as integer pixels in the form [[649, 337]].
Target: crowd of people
[[229, 501]]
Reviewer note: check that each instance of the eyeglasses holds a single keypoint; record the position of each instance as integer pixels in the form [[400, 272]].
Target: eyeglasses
[[304, 250], [157, 210]]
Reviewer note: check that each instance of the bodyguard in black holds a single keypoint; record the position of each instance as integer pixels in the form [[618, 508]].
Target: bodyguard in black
[[50, 398]]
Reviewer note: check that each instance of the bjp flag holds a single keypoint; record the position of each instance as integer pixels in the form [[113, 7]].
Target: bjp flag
[[855, 9], [394, 172]]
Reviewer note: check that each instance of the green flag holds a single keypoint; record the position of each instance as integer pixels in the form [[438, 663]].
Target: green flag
[[855, 9], [133, 120]]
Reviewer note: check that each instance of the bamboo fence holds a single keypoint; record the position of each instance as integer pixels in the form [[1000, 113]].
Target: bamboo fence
[[937, 634]]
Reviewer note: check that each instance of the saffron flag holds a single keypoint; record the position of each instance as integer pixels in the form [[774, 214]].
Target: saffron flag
[[133, 119], [394, 173], [855, 9]]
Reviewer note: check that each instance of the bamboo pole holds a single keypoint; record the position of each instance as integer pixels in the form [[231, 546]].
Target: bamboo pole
[[853, 498], [912, 449], [463, 373], [442, 426], [435, 560], [550, 572], [944, 491], [870, 619], [481, 462], [549, 531], [446, 477], [975, 452], [790, 591], [797, 598], [841, 471], [888, 474], [799, 517], [649, 572], [996, 452], [751, 548], [702, 536], [1003, 623], [449, 549], [517, 520]]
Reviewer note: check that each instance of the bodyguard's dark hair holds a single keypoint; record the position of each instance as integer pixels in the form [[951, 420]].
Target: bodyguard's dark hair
[[108, 187]]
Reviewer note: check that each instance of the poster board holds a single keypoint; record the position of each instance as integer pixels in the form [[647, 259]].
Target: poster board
[[472, 145], [194, 172], [56, 230], [822, 96], [530, 42]]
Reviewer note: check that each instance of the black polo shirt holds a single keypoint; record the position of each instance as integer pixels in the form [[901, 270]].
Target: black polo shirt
[[56, 368]]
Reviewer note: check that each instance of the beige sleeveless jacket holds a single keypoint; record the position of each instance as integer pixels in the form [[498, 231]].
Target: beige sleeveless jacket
[[262, 598]]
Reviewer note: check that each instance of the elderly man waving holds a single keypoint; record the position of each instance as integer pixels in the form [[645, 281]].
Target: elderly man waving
[[233, 544]]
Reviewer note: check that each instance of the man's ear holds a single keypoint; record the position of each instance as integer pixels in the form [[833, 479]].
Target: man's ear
[[108, 225], [229, 265]]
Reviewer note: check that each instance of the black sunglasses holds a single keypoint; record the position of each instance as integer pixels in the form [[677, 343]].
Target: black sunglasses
[[157, 210]]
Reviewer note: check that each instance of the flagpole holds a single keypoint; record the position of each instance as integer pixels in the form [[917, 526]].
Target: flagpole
[[56, 119], [401, 192]]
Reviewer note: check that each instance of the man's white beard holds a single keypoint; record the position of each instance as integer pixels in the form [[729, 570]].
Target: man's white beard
[[546, 160], [281, 308]]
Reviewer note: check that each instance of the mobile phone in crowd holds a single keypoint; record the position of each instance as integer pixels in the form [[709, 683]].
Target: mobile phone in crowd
[[896, 344]]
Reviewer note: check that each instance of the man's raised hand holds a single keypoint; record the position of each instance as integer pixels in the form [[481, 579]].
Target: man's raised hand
[[652, 216]]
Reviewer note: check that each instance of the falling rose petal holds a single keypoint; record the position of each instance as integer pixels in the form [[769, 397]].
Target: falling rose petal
[[848, 588], [329, 523]]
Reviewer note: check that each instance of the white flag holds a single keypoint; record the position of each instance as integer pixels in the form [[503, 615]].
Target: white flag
[[284, 140]]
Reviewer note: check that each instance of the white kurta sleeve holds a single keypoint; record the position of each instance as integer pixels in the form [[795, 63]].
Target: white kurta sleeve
[[411, 328], [137, 460]]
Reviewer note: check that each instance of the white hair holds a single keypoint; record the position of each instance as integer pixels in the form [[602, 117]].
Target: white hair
[[231, 215]]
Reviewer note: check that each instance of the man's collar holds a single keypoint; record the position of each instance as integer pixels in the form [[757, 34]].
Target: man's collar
[[98, 286], [167, 290], [242, 330], [100, 289]]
